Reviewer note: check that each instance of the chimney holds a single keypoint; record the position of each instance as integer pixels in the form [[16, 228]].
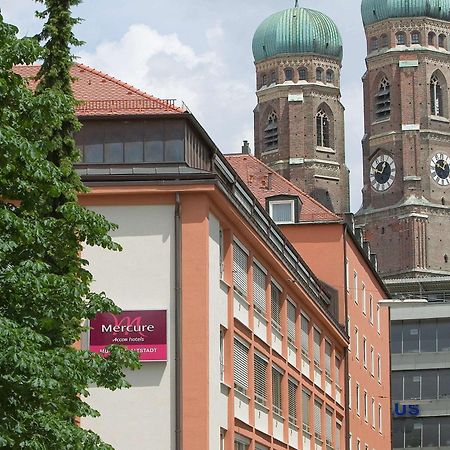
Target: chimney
[[246, 148]]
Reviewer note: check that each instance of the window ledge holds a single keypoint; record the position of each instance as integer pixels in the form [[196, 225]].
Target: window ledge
[[225, 286], [269, 152], [376, 122], [260, 315], [325, 149], [440, 119], [225, 386], [240, 297], [259, 405], [277, 416]]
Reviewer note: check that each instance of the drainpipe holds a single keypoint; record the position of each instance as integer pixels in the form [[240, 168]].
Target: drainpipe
[[346, 364], [178, 403]]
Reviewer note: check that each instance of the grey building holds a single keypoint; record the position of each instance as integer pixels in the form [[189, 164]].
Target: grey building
[[420, 345]]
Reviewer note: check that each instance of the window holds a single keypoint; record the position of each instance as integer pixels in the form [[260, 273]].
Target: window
[[222, 355], [260, 367], [273, 77], [371, 309], [323, 129], [358, 444], [318, 419], [282, 211], [374, 44], [355, 286], [384, 41], [241, 443], [337, 441], [303, 73], [364, 300], [288, 74], [330, 76], [347, 278], [319, 74], [271, 132], [366, 413], [365, 352], [378, 319], [259, 288], [383, 100], [441, 40], [306, 399], [337, 370], [317, 340], [358, 395], [264, 80], [431, 39], [291, 319], [350, 443], [277, 377], [436, 97], [221, 254], [415, 37], [240, 366], [305, 335], [430, 431], [372, 361], [349, 332], [240, 269], [357, 342], [400, 38], [275, 302], [350, 392], [380, 419], [379, 368], [327, 359], [373, 413], [222, 439], [292, 392], [329, 427]]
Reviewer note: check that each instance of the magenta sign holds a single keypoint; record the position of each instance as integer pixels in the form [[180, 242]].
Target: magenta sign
[[142, 331]]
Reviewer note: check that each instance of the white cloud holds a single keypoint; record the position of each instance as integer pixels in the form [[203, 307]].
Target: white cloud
[[164, 66]]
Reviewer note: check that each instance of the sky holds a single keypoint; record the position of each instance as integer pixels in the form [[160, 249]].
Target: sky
[[199, 52]]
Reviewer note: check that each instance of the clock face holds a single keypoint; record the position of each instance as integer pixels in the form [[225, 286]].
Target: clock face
[[382, 173], [440, 169]]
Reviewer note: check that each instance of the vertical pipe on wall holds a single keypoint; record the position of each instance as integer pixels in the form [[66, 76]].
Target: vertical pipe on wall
[[346, 365], [178, 404]]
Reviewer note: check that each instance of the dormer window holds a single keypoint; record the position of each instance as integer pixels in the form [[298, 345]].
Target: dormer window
[[283, 209]]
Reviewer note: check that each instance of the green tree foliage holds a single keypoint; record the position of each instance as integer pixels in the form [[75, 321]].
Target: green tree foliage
[[44, 282]]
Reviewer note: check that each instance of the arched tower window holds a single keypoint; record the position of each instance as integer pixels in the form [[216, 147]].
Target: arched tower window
[[442, 40], [303, 73], [431, 39], [271, 132], [319, 74], [264, 80], [323, 129], [330, 76], [437, 107], [374, 44], [384, 41], [383, 100], [400, 38], [273, 77], [415, 37], [288, 74]]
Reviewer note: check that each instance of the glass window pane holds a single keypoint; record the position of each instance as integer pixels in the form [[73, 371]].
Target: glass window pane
[[114, 152], [413, 433], [412, 385], [411, 337], [154, 151], [430, 432], [174, 146], [282, 212], [93, 153], [444, 423], [397, 386], [443, 332], [428, 336], [429, 384], [396, 337], [134, 152], [444, 383], [397, 433]]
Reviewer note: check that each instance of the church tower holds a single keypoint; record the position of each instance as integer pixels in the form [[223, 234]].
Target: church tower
[[406, 146], [299, 118]]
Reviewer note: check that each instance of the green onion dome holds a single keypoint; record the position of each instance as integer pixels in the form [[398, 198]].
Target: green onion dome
[[377, 10], [297, 30]]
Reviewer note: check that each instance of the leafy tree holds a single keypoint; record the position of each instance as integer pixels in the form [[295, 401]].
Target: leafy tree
[[44, 282]]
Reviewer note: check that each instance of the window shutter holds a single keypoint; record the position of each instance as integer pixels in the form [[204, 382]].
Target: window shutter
[[239, 269], [317, 419], [291, 316], [276, 390], [259, 289], [240, 366], [328, 426], [328, 358], [292, 392], [305, 334], [260, 380], [338, 436], [337, 373], [306, 397], [276, 307], [317, 346]]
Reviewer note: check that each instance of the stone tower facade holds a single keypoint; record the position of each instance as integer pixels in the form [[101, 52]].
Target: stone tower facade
[[299, 118], [406, 146]]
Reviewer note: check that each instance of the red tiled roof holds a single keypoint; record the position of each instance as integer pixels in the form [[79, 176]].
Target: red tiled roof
[[264, 182], [103, 95]]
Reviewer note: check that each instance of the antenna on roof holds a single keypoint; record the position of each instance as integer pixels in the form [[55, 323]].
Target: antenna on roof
[[296, 3]]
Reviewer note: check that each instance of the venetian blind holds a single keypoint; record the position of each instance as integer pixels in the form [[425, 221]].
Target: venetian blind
[[328, 425], [239, 269], [291, 316], [305, 334], [292, 392], [259, 289], [328, 358], [276, 390], [317, 346], [317, 418], [276, 306], [260, 366], [240, 366], [306, 396], [338, 436]]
